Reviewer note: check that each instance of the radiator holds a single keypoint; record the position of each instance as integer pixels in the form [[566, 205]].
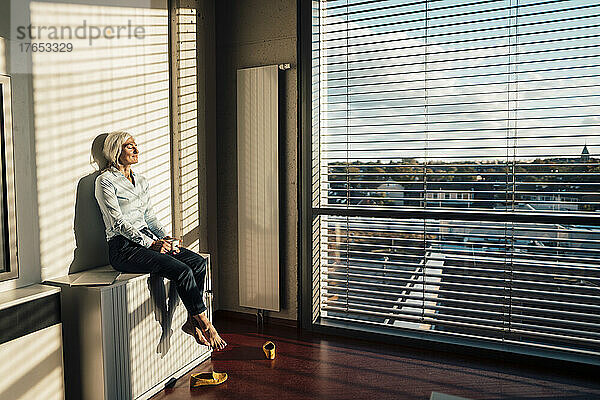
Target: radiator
[[112, 340], [258, 194]]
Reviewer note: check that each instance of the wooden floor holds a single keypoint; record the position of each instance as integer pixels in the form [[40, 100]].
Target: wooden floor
[[336, 368]]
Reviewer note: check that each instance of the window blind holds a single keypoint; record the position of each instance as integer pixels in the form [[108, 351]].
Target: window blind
[[455, 181]]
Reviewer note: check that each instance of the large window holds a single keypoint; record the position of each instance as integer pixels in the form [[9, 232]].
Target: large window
[[455, 170]]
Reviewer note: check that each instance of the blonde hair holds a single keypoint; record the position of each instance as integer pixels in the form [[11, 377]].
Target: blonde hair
[[113, 145]]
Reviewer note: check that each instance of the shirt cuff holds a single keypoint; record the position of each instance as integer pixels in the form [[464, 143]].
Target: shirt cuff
[[146, 241]]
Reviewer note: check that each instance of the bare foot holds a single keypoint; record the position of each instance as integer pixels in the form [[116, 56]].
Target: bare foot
[[191, 329], [213, 337], [164, 343], [209, 332]]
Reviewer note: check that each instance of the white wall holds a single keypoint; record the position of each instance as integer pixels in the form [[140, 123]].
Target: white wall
[[69, 99], [253, 33], [31, 366]]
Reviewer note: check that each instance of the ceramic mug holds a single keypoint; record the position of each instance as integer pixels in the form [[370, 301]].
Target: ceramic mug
[[174, 243]]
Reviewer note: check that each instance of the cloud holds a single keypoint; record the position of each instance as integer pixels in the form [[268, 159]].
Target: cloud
[[375, 97]]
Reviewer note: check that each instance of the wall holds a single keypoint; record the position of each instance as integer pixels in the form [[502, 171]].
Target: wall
[[61, 102], [254, 33]]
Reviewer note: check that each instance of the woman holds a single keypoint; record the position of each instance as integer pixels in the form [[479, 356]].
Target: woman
[[137, 241]]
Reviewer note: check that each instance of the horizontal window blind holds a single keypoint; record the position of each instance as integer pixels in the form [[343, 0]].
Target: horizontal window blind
[[455, 173]]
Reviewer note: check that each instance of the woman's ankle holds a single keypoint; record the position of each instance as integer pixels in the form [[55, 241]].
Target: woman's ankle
[[201, 320]]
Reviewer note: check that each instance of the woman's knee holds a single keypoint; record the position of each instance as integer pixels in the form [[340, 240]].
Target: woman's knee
[[200, 263], [175, 270], [185, 276], [195, 261]]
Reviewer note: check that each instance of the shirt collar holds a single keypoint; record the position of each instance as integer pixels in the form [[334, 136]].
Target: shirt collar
[[116, 171]]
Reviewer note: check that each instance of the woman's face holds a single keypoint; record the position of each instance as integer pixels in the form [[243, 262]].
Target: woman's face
[[129, 153]]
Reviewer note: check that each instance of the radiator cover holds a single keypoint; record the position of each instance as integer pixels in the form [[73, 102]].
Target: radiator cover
[[112, 337]]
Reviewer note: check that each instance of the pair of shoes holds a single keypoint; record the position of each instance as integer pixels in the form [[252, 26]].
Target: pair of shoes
[[269, 350], [207, 379]]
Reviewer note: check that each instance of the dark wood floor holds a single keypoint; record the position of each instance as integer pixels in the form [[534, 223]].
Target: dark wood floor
[[335, 368]]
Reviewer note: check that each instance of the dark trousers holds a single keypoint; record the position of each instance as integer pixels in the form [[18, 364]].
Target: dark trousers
[[186, 269]]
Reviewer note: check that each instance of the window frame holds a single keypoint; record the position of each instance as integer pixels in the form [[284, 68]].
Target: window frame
[[8, 196], [308, 216]]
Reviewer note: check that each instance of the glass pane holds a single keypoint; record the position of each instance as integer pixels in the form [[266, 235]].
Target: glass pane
[[436, 107]]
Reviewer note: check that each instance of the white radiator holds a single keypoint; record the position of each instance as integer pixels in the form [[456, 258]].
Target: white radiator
[[258, 194], [141, 362], [112, 340]]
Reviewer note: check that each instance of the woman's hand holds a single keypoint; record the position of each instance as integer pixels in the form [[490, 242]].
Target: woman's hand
[[175, 243], [161, 245]]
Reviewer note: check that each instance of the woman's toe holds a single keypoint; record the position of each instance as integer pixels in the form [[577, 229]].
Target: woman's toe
[[202, 337]]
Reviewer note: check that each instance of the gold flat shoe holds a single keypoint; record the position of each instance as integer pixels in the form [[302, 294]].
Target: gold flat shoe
[[269, 349], [207, 379]]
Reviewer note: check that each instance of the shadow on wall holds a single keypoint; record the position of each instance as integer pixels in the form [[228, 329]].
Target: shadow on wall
[[91, 249], [112, 84]]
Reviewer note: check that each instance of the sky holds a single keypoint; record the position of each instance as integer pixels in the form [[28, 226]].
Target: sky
[[505, 83]]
